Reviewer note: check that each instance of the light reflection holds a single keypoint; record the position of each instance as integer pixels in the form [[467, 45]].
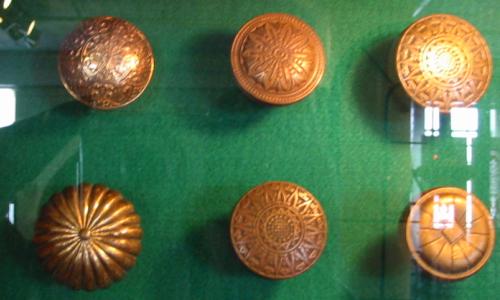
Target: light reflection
[[493, 123], [6, 3], [464, 122], [431, 121], [1, 20], [10, 213], [31, 27], [7, 107], [443, 216], [468, 206], [494, 181]]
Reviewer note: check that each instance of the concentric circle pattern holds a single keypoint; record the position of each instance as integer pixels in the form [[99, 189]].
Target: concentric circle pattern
[[106, 63], [278, 230], [443, 61], [450, 233], [277, 58], [88, 236]]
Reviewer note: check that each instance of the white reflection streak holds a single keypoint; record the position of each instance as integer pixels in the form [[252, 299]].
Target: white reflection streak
[[7, 107], [431, 121], [493, 183], [6, 3], [468, 206], [421, 7], [469, 151], [10, 214], [493, 123], [79, 165]]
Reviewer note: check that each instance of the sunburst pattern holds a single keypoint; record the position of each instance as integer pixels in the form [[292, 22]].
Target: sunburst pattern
[[443, 61], [88, 236], [450, 233], [278, 230]]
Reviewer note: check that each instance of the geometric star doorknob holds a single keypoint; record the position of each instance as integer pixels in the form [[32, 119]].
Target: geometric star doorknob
[[443, 61]]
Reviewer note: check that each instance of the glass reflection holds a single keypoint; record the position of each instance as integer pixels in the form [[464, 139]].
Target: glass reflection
[[19, 25], [493, 123], [464, 122], [443, 214], [10, 213], [431, 121], [6, 3], [7, 107]]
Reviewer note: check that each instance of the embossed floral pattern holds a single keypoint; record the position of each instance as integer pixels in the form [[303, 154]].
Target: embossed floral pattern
[[278, 56]]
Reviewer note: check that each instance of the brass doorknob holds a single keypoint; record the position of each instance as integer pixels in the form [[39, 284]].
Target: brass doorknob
[[443, 61], [106, 63], [450, 233], [88, 236]]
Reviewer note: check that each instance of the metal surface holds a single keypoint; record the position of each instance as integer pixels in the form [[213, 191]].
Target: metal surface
[[450, 233], [106, 63], [277, 59], [443, 61], [278, 230], [88, 236]]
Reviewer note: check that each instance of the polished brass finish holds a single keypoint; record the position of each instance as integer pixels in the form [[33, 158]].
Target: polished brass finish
[[106, 63], [450, 233], [443, 61], [88, 236], [277, 59], [278, 230]]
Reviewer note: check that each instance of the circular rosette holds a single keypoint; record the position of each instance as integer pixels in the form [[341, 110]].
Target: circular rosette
[[278, 230], [88, 236], [106, 63], [277, 58], [443, 61]]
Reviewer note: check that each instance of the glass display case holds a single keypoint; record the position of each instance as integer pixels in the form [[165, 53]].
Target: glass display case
[[193, 143]]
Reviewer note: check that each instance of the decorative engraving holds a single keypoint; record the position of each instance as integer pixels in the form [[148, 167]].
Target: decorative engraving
[[443, 61], [279, 230], [450, 233], [277, 59], [106, 63], [278, 56], [88, 236]]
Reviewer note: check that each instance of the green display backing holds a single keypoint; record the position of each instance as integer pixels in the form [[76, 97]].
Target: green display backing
[[193, 144]]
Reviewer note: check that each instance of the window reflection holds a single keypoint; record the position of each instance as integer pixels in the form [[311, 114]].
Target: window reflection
[[443, 215], [464, 122], [493, 123], [7, 107], [431, 121]]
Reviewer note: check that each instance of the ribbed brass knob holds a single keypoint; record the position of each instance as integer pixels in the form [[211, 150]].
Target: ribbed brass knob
[[88, 236]]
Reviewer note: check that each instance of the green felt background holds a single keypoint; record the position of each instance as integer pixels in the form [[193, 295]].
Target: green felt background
[[193, 144]]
